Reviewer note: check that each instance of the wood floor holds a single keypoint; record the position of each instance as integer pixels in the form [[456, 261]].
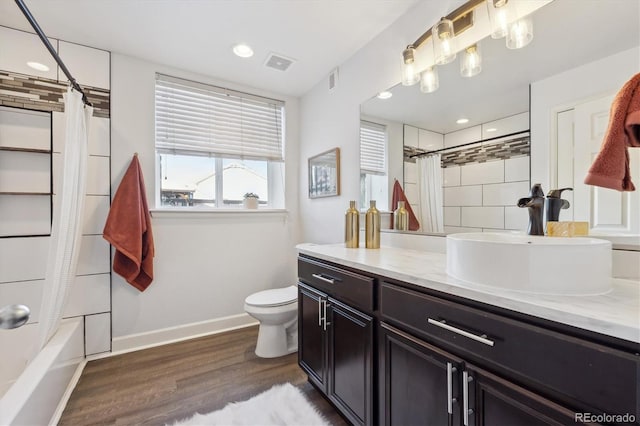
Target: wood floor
[[169, 383]]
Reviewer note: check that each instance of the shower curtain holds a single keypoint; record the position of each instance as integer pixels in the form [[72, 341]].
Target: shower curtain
[[66, 229], [430, 208]]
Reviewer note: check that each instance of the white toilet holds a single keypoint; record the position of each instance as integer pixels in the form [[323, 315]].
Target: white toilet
[[277, 311]]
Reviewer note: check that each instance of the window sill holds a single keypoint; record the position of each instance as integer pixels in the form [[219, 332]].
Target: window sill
[[212, 213]]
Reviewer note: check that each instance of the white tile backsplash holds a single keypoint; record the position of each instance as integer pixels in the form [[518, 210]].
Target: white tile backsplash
[[516, 218], [463, 196], [482, 173], [483, 217], [504, 194], [451, 176], [516, 169], [452, 216]]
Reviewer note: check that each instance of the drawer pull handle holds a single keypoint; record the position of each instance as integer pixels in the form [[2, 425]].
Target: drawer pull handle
[[443, 324], [450, 399], [465, 397], [323, 278]]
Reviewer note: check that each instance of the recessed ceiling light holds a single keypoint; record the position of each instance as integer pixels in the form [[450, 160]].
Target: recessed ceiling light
[[243, 50], [462, 120], [38, 66], [384, 95], [491, 129]]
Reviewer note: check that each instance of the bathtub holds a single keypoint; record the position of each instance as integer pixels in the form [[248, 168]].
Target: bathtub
[[32, 396]]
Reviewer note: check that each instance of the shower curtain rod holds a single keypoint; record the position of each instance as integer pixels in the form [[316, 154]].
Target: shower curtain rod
[[25, 10], [422, 154]]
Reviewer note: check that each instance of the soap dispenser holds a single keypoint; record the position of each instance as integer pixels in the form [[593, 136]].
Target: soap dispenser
[[554, 204]]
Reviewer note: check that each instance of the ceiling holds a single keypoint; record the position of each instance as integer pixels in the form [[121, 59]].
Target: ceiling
[[567, 33], [197, 35]]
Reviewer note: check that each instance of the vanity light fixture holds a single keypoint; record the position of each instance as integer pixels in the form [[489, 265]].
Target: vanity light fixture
[[500, 15], [520, 33], [243, 50], [462, 120], [471, 61], [38, 66], [385, 95], [429, 80], [410, 75], [444, 47]]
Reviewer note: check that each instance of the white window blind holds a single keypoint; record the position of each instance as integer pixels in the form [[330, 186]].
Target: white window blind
[[199, 119], [373, 142]]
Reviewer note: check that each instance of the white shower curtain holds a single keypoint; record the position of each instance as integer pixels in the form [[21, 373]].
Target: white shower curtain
[[66, 228], [430, 207]]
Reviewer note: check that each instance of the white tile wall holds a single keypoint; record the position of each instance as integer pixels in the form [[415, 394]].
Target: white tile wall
[[94, 255], [23, 259], [507, 125], [451, 176], [97, 174], [411, 192], [89, 294], [516, 169], [24, 172], [25, 129], [98, 333], [91, 67], [19, 47], [483, 217], [504, 194], [410, 173], [452, 216], [471, 134], [429, 140], [25, 293], [99, 136], [25, 215], [516, 218], [481, 173], [96, 209], [463, 196]]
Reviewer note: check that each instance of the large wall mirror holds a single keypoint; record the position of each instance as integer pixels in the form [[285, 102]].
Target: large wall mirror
[[538, 111]]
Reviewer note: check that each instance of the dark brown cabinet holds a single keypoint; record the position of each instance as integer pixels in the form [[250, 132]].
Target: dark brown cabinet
[[335, 349]]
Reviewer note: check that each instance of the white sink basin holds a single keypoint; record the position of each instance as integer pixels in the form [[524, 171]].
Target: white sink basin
[[532, 264]]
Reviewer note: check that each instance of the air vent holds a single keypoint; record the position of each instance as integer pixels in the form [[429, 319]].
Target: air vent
[[278, 62]]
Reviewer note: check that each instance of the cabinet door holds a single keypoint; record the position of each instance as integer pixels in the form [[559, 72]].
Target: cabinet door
[[312, 342], [350, 362], [419, 383], [491, 401]]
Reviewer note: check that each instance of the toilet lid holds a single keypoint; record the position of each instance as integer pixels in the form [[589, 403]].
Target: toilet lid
[[274, 297]]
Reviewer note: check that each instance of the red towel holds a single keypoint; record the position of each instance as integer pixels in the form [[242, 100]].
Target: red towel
[[610, 169], [128, 229], [398, 195]]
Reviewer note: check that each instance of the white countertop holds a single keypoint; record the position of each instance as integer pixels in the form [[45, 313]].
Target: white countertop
[[616, 313]]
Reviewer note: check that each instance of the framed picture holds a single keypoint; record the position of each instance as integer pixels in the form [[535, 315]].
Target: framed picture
[[324, 174]]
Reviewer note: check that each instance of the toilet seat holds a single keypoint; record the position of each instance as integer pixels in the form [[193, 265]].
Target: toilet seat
[[274, 297]]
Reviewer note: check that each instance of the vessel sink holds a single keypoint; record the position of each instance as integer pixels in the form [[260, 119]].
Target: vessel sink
[[532, 264]]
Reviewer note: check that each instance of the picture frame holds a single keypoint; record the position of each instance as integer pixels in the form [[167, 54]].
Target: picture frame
[[324, 174]]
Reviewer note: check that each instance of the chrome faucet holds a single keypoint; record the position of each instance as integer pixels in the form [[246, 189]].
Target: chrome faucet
[[535, 203]]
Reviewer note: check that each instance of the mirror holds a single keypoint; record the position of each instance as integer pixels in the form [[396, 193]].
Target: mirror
[[571, 62]]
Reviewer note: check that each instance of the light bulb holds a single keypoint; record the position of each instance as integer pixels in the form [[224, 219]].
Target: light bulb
[[444, 48], [429, 80], [471, 63], [520, 33], [410, 75], [501, 13]]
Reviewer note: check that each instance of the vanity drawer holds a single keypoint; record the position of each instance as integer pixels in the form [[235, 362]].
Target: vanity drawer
[[346, 286], [587, 375]]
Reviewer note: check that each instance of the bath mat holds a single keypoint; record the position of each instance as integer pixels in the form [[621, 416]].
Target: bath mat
[[282, 405]]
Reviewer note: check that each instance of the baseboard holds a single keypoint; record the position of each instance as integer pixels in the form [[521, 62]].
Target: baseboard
[[67, 393], [136, 342]]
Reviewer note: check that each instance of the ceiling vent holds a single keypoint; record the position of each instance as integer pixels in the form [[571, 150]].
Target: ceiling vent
[[278, 62]]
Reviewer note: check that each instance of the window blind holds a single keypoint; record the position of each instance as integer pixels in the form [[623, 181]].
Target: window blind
[[373, 147], [199, 119]]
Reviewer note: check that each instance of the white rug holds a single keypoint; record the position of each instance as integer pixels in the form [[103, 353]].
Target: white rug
[[282, 405]]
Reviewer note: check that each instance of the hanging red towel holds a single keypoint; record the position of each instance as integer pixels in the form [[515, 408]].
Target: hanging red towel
[[610, 169], [398, 195], [128, 229]]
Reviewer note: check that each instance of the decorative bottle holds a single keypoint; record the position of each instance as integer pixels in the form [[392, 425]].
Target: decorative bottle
[[352, 226], [372, 227], [401, 217]]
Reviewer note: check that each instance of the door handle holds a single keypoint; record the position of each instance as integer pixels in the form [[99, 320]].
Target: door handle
[[443, 324], [319, 311], [466, 378], [14, 316], [450, 399], [324, 315]]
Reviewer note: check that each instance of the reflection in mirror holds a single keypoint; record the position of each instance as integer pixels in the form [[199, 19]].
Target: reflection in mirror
[[568, 65]]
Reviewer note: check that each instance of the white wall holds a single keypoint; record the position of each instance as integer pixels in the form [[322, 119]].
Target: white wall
[[330, 119], [205, 265]]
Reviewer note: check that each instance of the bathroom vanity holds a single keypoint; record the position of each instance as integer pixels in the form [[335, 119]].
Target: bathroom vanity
[[390, 338]]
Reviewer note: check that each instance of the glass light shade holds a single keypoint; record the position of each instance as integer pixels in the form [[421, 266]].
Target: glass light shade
[[444, 48], [471, 62], [410, 75], [520, 33], [429, 80], [501, 13]]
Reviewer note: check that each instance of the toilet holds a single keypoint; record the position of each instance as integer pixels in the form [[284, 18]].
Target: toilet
[[277, 311]]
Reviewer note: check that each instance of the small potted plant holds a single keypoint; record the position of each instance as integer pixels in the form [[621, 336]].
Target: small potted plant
[[251, 200]]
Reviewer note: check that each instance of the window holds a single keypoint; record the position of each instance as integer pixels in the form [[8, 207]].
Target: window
[[214, 145], [373, 165]]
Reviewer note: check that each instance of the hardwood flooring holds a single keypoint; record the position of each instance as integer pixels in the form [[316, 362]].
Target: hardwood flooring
[[172, 382]]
